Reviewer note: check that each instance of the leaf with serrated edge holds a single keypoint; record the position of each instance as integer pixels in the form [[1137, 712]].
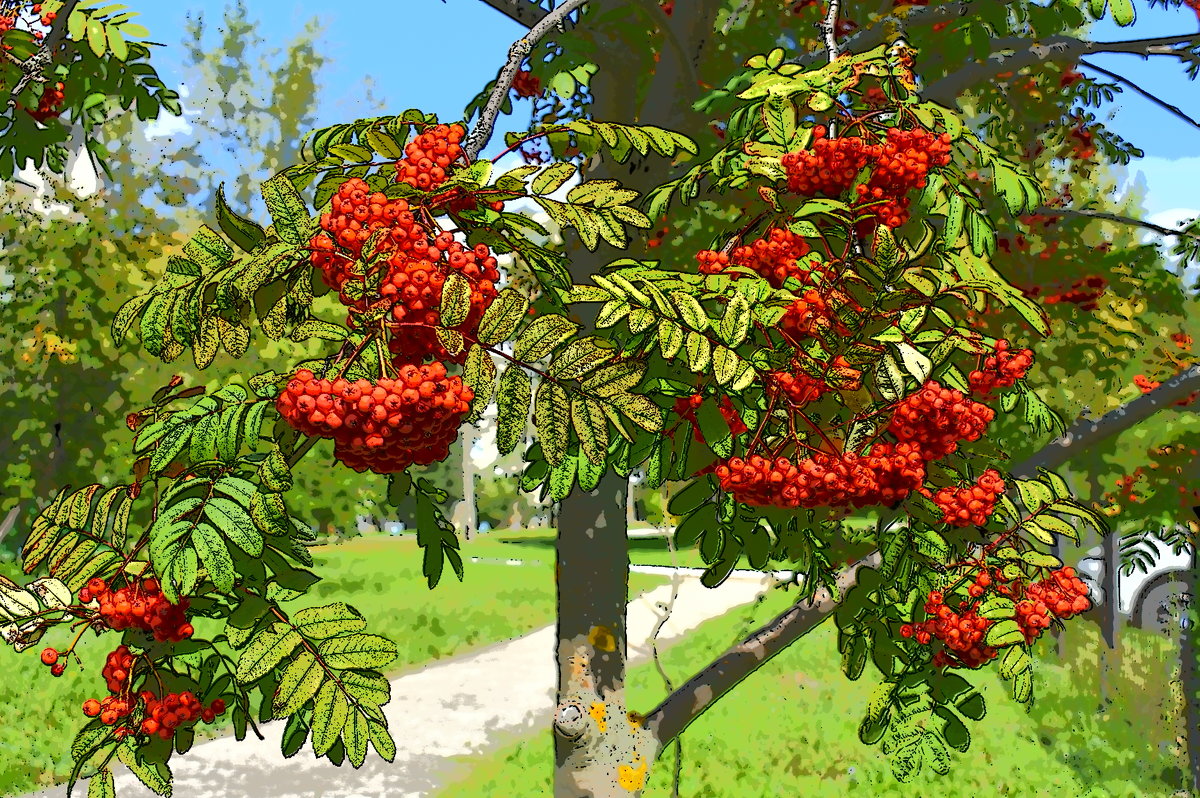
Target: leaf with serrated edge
[[299, 682], [266, 651], [591, 425], [329, 717], [551, 414]]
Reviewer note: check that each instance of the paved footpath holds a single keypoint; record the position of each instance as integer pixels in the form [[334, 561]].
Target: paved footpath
[[459, 707]]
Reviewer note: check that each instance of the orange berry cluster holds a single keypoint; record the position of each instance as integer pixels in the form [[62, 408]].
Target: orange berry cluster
[[1062, 595], [139, 605], [972, 505], [799, 388], [937, 418], [384, 426], [50, 103], [428, 158], [118, 668], [900, 164], [355, 214], [805, 317], [1000, 370], [885, 475], [164, 716], [774, 257], [414, 287], [50, 659], [830, 167]]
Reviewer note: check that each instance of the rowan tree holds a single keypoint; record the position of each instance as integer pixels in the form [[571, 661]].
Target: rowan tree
[[806, 362]]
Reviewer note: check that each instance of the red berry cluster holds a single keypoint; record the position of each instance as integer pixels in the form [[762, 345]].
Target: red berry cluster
[[807, 316], [902, 163], [139, 605], [775, 257], [384, 426], [50, 103], [830, 167], [355, 214], [885, 475], [413, 286], [1000, 370], [50, 659], [164, 716], [1062, 595], [799, 388], [118, 668], [937, 418], [526, 84], [972, 505], [428, 157]]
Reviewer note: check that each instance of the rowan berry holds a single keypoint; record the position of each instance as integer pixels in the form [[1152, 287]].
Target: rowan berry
[[49, 656]]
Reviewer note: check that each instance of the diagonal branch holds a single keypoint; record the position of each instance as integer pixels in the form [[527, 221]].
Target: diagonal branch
[[1174, 109], [1085, 433], [517, 54], [35, 66], [1118, 218], [1062, 49], [680, 708], [523, 12]]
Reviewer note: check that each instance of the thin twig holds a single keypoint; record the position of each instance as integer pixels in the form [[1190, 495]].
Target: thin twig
[[1119, 219], [517, 53], [1174, 109]]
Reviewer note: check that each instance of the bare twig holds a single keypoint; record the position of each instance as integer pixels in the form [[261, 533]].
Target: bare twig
[[904, 18], [1119, 219], [829, 30], [517, 54], [1174, 109], [1016, 53]]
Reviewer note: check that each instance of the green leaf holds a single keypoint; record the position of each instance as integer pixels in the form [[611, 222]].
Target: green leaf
[[581, 357], [591, 425], [456, 300], [552, 178], [735, 324], [512, 408], [1123, 12], [329, 716], [551, 418], [355, 737], [699, 352], [640, 410], [502, 317], [155, 775], [357, 651], [235, 523], [265, 651], [95, 37], [330, 620], [287, 209], [1004, 633], [541, 337], [172, 443], [670, 338], [616, 378], [915, 362], [298, 683], [691, 311], [101, 785], [215, 556]]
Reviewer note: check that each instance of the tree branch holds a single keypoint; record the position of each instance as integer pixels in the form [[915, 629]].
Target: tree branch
[[523, 12], [829, 31], [1174, 109], [1084, 434], [1063, 49], [35, 66], [907, 17], [680, 708], [517, 54], [1118, 218]]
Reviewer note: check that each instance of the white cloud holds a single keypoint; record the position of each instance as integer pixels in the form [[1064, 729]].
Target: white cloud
[[1171, 184]]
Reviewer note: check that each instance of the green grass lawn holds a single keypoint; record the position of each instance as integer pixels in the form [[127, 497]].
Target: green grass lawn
[[791, 729], [379, 575]]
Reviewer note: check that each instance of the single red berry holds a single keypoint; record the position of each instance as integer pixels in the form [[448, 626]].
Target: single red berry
[[49, 656]]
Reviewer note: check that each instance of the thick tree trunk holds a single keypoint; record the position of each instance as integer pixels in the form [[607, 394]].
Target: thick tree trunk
[[1189, 674], [599, 752]]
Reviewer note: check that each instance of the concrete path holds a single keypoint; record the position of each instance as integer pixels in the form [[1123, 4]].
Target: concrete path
[[459, 707]]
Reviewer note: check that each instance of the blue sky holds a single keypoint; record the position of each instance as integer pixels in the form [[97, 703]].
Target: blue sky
[[401, 45]]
